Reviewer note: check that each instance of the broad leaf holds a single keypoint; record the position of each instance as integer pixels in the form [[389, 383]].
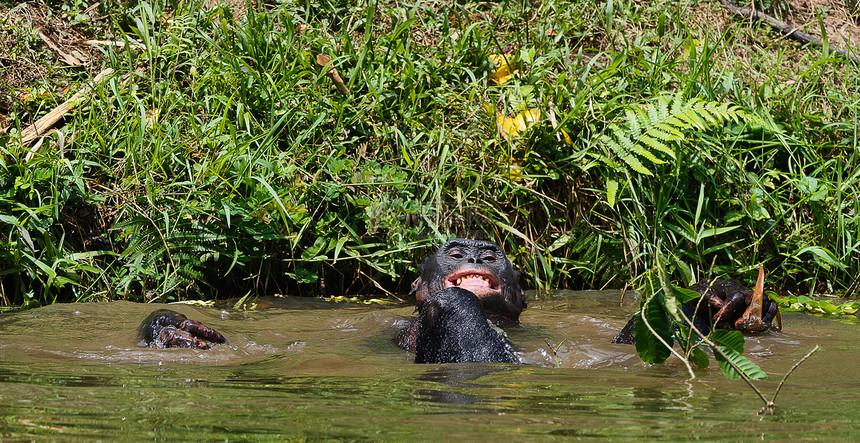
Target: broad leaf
[[649, 348], [744, 364], [699, 358]]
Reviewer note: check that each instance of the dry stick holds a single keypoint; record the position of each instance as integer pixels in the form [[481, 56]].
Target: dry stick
[[768, 409], [43, 124], [787, 30], [68, 58]]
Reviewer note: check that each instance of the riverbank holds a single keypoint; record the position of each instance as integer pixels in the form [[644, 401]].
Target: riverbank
[[325, 148]]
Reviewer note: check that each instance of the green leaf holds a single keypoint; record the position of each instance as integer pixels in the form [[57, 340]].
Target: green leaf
[[683, 295], [649, 348], [700, 358], [611, 191], [656, 145], [822, 254], [705, 233], [731, 339], [745, 365]]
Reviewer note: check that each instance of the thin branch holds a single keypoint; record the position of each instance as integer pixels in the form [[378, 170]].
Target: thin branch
[[714, 347], [768, 409], [787, 30]]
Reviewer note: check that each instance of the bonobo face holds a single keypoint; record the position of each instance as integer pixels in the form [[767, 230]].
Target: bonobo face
[[479, 267]]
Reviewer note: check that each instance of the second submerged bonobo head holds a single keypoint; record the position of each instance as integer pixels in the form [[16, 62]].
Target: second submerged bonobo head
[[477, 266]]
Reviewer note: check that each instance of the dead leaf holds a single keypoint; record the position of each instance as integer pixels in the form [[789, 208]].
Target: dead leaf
[[325, 61]]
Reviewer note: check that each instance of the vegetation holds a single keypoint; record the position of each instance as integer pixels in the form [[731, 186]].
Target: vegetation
[[221, 159]]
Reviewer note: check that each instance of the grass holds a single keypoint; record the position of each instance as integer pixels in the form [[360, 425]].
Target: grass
[[220, 160]]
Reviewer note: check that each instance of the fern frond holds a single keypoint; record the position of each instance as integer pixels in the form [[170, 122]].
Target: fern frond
[[644, 135], [624, 154], [633, 118]]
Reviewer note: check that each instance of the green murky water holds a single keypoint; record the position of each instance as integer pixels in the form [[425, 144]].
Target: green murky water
[[307, 369]]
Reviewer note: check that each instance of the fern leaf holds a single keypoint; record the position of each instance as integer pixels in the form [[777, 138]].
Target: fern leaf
[[633, 122], [637, 148], [624, 154], [657, 145], [611, 191], [653, 116], [678, 102], [644, 134], [664, 108], [636, 165], [672, 131], [692, 119]]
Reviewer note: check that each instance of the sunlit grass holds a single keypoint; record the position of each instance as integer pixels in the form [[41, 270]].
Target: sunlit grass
[[221, 160]]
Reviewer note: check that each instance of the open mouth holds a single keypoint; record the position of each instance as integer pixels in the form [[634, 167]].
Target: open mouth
[[476, 282]]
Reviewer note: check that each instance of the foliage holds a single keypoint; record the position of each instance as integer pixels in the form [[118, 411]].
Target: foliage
[[803, 303], [661, 322], [220, 160], [651, 130]]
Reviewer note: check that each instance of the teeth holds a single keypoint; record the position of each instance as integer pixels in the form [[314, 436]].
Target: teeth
[[460, 279]]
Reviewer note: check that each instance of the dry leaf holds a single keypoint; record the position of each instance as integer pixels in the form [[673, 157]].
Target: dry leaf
[[325, 61]]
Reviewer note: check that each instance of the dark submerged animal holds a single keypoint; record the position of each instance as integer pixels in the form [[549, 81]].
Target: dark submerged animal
[[477, 268], [725, 304], [169, 329], [453, 329]]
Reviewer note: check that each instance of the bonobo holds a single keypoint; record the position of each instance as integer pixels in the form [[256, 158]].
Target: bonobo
[[479, 269], [453, 329], [169, 329], [725, 304]]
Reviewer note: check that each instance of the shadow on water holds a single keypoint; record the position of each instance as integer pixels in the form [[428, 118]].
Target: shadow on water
[[301, 368]]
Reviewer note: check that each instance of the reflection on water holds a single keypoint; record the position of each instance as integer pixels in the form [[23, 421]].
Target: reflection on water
[[305, 368]]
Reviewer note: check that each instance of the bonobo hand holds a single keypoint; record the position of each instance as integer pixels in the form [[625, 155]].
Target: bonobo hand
[[452, 329], [725, 304], [736, 307], [169, 329], [476, 266]]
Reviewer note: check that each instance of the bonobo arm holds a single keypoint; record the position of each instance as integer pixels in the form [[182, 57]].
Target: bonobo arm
[[169, 329], [478, 267], [725, 304], [451, 328]]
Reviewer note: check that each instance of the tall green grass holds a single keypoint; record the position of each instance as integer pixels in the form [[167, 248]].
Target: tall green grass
[[220, 161]]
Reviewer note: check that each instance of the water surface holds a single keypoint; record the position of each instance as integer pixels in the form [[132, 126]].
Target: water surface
[[299, 368]]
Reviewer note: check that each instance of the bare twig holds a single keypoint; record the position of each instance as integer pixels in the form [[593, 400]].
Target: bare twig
[[787, 30], [768, 408]]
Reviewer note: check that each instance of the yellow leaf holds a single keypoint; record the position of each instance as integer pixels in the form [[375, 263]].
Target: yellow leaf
[[514, 126], [503, 71], [566, 137]]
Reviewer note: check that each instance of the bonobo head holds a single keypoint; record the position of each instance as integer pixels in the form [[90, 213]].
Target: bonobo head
[[479, 267]]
